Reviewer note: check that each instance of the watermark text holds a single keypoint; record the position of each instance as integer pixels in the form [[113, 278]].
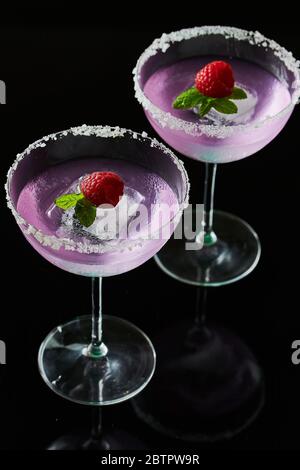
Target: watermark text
[[2, 352], [295, 357], [2, 92]]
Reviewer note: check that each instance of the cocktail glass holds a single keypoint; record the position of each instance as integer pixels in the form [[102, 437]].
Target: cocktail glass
[[271, 77], [210, 386], [76, 360]]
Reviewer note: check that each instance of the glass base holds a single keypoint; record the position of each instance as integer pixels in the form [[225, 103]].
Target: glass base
[[207, 387], [114, 440], [119, 375], [234, 255]]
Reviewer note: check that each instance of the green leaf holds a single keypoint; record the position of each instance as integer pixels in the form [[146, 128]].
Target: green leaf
[[205, 106], [188, 99], [85, 212], [68, 200], [225, 106], [238, 94]]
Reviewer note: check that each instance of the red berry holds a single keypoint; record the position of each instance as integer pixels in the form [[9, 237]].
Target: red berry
[[102, 187], [215, 79]]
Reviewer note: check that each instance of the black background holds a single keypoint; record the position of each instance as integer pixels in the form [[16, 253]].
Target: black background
[[61, 70]]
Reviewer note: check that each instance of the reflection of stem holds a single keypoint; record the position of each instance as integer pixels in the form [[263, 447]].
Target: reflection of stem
[[96, 440], [201, 307], [199, 333], [96, 432]]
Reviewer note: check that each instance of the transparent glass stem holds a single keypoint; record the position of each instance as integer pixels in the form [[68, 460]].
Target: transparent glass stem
[[96, 348], [209, 189]]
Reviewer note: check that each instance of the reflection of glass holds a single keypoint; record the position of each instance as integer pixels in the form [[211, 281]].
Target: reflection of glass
[[207, 386], [77, 360], [271, 77], [97, 438]]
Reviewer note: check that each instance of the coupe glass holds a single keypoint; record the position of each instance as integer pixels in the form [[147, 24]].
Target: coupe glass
[[231, 247], [77, 360]]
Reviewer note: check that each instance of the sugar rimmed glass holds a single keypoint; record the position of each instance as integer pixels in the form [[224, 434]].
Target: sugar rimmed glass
[[93, 360], [231, 247]]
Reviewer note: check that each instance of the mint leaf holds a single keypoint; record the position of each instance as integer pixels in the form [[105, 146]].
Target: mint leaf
[[85, 212], [238, 94], [205, 106], [188, 99], [225, 106], [68, 200]]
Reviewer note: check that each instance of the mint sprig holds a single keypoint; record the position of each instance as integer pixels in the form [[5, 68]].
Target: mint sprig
[[188, 99], [192, 98], [85, 211], [225, 106], [205, 106], [238, 94], [66, 201]]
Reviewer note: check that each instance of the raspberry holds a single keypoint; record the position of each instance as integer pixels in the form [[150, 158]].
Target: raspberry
[[102, 187], [215, 79]]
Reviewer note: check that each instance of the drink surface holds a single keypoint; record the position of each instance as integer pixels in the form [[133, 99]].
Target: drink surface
[[267, 96], [142, 188]]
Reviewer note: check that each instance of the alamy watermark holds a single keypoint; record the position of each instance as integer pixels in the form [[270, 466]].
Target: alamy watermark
[[295, 357], [2, 352], [135, 220], [2, 92]]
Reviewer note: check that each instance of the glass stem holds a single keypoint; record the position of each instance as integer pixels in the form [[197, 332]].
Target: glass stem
[[96, 348], [209, 189]]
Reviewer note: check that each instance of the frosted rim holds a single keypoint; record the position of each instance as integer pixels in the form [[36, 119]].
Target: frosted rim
[[162, 44], [55, 242]]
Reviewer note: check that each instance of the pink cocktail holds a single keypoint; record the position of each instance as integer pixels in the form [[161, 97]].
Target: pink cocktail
[[76, 360], [87, 251], [270, 76], [219, 138]]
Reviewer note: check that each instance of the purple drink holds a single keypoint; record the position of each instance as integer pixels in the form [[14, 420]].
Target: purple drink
[[76, 360], [267, 96], [267, 72], [258, 69], [152, 197]]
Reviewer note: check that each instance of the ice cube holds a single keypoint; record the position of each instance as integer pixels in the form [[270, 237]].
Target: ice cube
[[246, 110], [110, 222]]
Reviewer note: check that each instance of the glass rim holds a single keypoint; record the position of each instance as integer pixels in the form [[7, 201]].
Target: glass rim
[[101, 131], [167, 120]]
